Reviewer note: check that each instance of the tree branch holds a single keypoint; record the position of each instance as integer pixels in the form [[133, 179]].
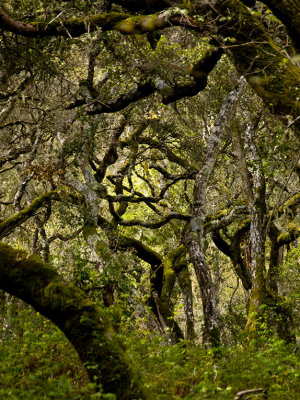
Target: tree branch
[[7, 226], [78, 26]]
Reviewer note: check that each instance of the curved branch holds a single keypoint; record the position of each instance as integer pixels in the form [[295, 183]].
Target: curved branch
[[198, 74], [111, 154], [226, 220]]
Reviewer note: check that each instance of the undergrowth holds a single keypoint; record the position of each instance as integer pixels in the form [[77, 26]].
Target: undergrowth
[[37, 362]]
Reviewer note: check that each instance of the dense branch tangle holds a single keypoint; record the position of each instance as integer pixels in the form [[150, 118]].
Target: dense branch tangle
[[116, 172], [254, 53]]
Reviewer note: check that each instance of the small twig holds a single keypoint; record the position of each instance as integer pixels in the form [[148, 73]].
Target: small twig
[[52, 20], [68, 33], [233, 293], [242, 393]]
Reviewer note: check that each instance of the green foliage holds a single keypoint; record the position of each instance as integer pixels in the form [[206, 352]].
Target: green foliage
[[191, 372], [36, 360], [45, 147]]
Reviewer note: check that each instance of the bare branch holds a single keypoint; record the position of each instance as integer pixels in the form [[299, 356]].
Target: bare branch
[[243, 393]]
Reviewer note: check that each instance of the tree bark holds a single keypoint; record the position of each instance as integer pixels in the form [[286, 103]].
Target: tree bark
[[195, 237], [180, 267], [85, 325], [265, 306]]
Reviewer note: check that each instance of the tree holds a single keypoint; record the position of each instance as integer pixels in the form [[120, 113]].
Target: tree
[[101, 115]]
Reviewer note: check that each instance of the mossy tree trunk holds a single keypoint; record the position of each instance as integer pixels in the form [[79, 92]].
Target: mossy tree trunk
[[162, 280], [265, 306], [85, 325], [275, 258], [195, 237], [175, 266], [180, 267]]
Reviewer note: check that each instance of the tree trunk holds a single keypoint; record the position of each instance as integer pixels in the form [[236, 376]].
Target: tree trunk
[[211, 333], [194, 240], [185, 284], [85, 325], [265, 306], [161, 283]]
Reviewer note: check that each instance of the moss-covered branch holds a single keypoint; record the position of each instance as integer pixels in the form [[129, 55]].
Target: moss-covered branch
[[292, 234], [268, 71], [8, 225], [138, 5], [155, 224], [78, 26], [223, 219], [199, 72], [288, 206], [87, 328], [196, 82]]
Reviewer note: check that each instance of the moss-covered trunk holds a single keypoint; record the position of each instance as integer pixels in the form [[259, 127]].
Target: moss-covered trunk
[[195, 236], [180, 266], [85, 325], [265, 307]]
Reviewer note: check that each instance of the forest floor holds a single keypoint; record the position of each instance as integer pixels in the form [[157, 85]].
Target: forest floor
[[37, 362]]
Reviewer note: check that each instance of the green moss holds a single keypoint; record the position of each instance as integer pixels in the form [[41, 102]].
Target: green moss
[[17, 219], [283, 238], [293, 232], [75, 314], [290, 203], [169, 281], [88, 231]]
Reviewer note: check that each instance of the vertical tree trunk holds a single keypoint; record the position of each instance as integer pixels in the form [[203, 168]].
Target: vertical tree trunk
[[176, 266], [187, 294], [194, 239], [265, 305], [162, 280], [257, 207], [275, 256]]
